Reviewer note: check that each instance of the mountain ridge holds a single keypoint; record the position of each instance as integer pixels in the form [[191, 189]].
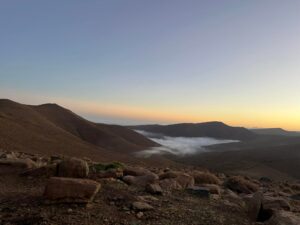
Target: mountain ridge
[[275, 131], [213, 129]]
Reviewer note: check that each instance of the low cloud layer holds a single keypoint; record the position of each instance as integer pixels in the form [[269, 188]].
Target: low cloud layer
[[179, 145]]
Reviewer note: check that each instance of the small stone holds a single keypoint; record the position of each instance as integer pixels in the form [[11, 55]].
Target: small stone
[[147, 198], [142, 206], [139, 215], [215, 197], [154, 189]]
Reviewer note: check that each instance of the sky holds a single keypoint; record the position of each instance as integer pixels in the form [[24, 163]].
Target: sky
[[158, 61]]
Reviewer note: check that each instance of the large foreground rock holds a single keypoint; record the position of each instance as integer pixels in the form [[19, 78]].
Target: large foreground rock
[[70, 190], [73, 167]]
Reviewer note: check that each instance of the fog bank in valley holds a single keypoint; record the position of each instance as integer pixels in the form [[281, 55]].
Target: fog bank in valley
[[179, 145]]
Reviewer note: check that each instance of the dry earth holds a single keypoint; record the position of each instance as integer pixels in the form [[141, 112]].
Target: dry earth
[[22, 199]]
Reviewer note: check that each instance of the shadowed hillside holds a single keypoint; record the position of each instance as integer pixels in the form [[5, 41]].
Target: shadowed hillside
[[51, 129], [209, 129], [111, 137]]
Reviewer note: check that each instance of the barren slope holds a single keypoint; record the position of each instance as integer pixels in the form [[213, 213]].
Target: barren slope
[[111, 137], [51, 129]]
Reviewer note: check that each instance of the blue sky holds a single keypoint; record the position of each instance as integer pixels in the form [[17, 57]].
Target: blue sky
[[133, 61]]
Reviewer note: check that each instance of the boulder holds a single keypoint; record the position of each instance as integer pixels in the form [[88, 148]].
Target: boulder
[[73, 167], [283, 218], [70, 190], [176, 181], [241, 185], [21, 163], [135, 171], [254, 205], [205, 178], [168, 175], [170, 184], [275, 203], [44, 171], [15, 165], [262, 207], [213, 189], [233, 199], [8, 155], [154, 189], [185, 180], [141, 181], [202, 192], [111, 173], [129, 179]]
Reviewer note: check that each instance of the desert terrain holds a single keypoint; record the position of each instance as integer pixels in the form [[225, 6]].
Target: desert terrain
[[59, 168]]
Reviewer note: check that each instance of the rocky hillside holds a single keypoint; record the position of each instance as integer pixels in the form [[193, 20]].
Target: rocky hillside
[[209, 129], [36, 189], [52, 129]]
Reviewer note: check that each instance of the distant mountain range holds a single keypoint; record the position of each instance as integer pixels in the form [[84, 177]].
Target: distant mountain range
[[275, 131], [209, 129], [52, 129]]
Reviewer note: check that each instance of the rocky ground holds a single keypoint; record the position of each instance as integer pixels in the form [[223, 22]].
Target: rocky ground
[[57, 190]]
